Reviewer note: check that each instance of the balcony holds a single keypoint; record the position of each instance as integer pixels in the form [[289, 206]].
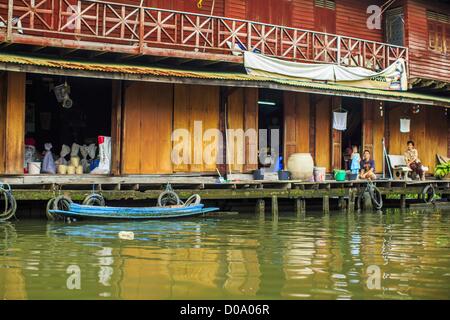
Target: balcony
[[135, 31]]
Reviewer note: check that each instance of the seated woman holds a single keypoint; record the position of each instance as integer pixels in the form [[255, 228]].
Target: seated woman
[[413, 161], [367, 167]]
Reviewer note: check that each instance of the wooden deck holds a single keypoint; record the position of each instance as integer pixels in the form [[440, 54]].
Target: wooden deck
[[44, 187]]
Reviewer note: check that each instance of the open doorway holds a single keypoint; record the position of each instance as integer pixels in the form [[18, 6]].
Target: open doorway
[[353, 135], [79, 119], [270, 118]]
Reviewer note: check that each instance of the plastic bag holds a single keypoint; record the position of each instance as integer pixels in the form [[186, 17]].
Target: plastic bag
[[48, 164], [84, 161], [105, 156], [65, 150], [75, 150]]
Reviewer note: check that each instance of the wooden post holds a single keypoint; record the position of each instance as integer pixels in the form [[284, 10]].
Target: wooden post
[[260, 207], [342, 203], [326, 204], [274, 206], [298, 207], [351, 201], [116, 127]]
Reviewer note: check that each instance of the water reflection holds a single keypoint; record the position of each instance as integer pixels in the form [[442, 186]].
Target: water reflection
[[313, 256]]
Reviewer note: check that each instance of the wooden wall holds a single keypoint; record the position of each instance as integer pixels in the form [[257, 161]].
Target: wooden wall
[[12, 122], [147, 128], [424, 63], [428, 130]]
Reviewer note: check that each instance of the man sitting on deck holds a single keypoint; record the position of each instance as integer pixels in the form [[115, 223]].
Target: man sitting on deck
[[367, 167], [413, 161]]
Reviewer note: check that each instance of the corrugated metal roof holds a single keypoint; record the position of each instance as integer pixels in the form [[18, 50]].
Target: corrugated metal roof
[[165, 72]]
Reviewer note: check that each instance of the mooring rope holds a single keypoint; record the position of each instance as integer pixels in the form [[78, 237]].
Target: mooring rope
[[10, 202]]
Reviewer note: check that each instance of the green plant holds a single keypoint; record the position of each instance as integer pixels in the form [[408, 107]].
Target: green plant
[[442, 170]]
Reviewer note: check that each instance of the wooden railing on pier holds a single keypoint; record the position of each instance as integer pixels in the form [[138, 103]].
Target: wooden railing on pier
[[115, 27]]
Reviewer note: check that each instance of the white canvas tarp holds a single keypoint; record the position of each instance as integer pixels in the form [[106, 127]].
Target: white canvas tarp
[[392, 78]]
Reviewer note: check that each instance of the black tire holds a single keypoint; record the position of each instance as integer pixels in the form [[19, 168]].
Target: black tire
[[428, 194], [94, 199], [168, 198], [377, 198]]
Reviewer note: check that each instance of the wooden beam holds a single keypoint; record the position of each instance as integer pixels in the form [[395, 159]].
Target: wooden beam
[[212, 82], [116, 126]]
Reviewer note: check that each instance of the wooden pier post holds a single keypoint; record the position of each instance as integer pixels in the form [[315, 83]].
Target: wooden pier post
[[326, 204], [351, 201], [274, 206], [260, 207], [342, 204], [403, 202], [300, 207]]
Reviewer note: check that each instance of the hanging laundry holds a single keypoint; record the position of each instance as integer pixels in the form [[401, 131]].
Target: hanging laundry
[[340, 121], [405, 125]]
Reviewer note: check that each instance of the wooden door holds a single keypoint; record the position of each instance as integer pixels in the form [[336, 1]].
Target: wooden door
[[196, 111], [323, 132], [296, 123], [148, 112], [373, 131], [337, 139], [12, 122]]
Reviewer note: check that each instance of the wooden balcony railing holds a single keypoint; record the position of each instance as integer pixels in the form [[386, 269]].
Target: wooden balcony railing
[[117, 27]]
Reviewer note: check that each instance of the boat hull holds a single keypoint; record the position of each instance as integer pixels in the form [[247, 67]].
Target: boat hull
[[122, 213]]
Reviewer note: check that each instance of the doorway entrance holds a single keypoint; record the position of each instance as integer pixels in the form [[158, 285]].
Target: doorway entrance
[[270, 118], [353, 135], [70, 113]]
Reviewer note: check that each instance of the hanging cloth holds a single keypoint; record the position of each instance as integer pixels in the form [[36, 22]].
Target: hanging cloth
[[405, 125], [340, 121]]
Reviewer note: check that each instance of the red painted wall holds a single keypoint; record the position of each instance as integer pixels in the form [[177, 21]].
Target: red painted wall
[[424, 63]]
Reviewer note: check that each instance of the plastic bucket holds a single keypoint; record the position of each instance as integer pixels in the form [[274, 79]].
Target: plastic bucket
[[284, 175], [319, 174], [258, 174], [340, 175], [34, 167]]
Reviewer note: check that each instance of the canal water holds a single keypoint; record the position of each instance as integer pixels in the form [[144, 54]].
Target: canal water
[[396, 255]]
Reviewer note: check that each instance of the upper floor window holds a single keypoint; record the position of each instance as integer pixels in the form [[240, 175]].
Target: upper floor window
[[438, 31], [328, 4], [394, 26]]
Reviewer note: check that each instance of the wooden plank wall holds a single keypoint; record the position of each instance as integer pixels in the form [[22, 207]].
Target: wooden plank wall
[[351, 19], [3, 91], [197, 103], [296, 123], [12, 127], [424, 63], [147, 123], [428, 131]]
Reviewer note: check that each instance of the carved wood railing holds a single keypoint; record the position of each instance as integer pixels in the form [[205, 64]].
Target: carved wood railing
[[120, 27]]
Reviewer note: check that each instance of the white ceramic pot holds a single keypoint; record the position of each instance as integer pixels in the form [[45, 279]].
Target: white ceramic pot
[[301, 166]]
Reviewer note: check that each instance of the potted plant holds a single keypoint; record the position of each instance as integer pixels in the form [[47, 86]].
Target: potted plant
[[442, 171]]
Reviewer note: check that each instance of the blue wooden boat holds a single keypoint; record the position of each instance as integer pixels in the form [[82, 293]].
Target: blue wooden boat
[[92, 212]]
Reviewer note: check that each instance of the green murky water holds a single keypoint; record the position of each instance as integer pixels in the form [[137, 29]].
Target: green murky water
[[361, 256]]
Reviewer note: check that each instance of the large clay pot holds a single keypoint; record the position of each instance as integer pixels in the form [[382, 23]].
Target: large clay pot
[[301, 166]]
